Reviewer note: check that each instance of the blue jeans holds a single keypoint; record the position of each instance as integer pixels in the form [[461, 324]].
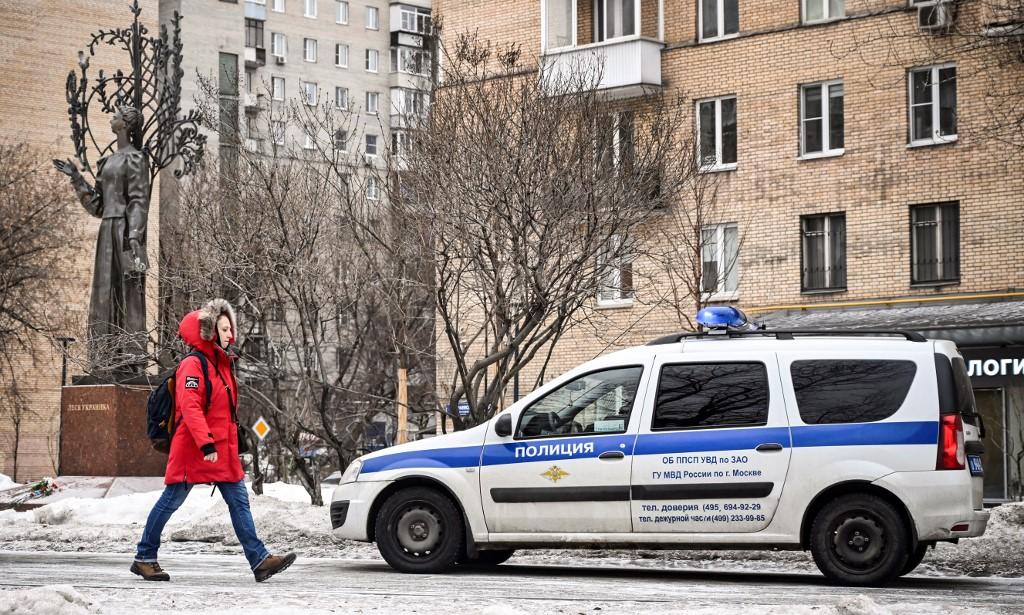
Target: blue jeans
[[241, 519]]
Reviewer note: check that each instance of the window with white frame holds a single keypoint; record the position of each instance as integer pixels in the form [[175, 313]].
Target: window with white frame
[[823, 252], [616, 18], [341, 98], [371, 145], [716, 133], [278, 45], [341, 55], [718, 18], [309, 93], [372, 18], [372, 102], [278, 6], [341, 12], [341, 140], [935, 243], [307, 141], [558, 19], [372, 188], [250, 77], [614, 142], [932, 104], [719, 261], [309, 47], [277, 131], [401, 142], [310, 10], [409, 102], [415, 19], [372, 60], [411, 61], [823, 10], [277, 87], [821, 118], [615, 274]]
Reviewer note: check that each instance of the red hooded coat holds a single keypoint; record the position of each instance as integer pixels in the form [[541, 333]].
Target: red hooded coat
[[215, 428]]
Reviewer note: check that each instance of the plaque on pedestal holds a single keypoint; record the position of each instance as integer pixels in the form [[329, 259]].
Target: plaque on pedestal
[[103, 432]]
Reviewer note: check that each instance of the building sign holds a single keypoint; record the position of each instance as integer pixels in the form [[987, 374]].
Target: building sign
[[1002, 363]]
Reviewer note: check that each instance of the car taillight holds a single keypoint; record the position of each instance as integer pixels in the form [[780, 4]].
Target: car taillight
[[951, 443]]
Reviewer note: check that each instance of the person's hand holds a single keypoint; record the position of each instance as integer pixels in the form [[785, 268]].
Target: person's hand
[[138, 255], [67, 167], [212, 457]]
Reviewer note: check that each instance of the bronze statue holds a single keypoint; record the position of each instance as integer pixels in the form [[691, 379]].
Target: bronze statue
[[120, 199]]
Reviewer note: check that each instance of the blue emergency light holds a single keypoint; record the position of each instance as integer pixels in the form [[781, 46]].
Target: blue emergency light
[[722, 317]]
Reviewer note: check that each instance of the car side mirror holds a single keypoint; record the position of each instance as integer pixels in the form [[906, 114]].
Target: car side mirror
[[503, 426]]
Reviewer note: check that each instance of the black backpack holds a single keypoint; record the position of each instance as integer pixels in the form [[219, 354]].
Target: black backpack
[[160, 414]]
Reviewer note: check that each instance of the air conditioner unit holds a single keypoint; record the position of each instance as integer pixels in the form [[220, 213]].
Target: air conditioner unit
[[279, 59], [935, 16]]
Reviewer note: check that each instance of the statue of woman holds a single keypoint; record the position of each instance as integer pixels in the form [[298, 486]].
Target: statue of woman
[[120, 198]]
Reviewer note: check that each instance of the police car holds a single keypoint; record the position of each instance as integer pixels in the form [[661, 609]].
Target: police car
[[861, 446]]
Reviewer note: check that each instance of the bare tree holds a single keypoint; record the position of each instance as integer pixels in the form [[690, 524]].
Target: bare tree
[[531, 192], [36, 225]]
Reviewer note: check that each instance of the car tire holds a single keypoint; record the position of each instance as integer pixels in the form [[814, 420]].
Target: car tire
[[860, 539], [487, 559], [419, 530], [915, 559]]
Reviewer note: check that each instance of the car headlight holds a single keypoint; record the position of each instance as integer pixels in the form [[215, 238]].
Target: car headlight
[[351, 472]]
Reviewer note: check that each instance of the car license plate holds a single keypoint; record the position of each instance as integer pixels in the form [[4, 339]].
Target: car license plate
[[974, 463]]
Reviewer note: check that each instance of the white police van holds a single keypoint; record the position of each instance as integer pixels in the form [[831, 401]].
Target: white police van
[[861, 446]]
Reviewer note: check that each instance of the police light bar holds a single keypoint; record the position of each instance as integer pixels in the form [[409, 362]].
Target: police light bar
[[723, 317]]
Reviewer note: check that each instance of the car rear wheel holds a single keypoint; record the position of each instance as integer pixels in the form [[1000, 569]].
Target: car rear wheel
[[860, 539], [419, 530], [484, 559], [915, 559]]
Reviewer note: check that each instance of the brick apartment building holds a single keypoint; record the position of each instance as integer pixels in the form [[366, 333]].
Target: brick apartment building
[[857, 184]]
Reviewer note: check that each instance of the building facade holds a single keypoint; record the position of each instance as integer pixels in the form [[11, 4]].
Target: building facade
[[856, 167]]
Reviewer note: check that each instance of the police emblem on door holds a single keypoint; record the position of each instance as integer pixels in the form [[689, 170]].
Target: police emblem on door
[[555, 474]]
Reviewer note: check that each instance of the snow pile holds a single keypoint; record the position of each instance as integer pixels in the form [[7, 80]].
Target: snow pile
[[47, 600], [996, 553], [7, 483]]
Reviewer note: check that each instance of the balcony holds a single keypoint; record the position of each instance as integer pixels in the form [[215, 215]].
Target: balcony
[[612, 45], [255, 57]]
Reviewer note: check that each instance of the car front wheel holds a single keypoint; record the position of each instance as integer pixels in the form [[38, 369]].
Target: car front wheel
[[860, 539], [419, 530]]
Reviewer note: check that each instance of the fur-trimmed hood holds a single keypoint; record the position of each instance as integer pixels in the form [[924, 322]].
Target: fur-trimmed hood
[[198, 328]]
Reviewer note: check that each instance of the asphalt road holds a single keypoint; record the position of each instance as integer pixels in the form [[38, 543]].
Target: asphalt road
[[221, 583]]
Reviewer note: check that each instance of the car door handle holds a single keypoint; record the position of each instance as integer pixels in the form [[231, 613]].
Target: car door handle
[[612, 455], [768, 447]]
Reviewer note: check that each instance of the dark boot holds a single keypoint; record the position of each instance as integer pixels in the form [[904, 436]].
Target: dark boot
[[150, 571], [273, 565]]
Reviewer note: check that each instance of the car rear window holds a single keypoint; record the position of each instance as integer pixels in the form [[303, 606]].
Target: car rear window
[[700, 395], [850, 390], [965, 404]]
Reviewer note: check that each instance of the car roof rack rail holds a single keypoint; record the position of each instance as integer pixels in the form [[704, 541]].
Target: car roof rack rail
[[786, 334]]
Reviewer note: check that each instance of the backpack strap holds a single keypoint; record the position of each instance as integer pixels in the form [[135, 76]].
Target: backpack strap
[[206, 376]]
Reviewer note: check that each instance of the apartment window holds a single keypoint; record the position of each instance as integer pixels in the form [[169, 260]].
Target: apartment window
[[823, 252], [309, 93], [415, 19], [277, 131], [371, 145], [341, 98], [716, 133], [412, 61], [933, 105], [341, 140], [718, 19], [372, 18], [615, 142], [616, 18], [341, 13], [615, 275], [821, 119], [341, 55], [406, 101], [277, 87], [401, 143], [250, 77], [372, 189], [935, 243], [372, 60], [309, 46], [719, 261], [278, 6], [254, 33], [372, 102], [307, 141], [310, 10], [823, 10], [278, 45], [558, 19]]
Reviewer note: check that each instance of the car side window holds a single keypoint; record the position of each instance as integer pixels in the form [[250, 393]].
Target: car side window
[[702, 395], [598, 403], [850, 391]]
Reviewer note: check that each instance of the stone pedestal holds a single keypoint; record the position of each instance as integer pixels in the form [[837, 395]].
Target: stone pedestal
[[103, 432]]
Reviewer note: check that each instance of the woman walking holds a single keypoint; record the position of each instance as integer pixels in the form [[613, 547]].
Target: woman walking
[[204, 447]]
